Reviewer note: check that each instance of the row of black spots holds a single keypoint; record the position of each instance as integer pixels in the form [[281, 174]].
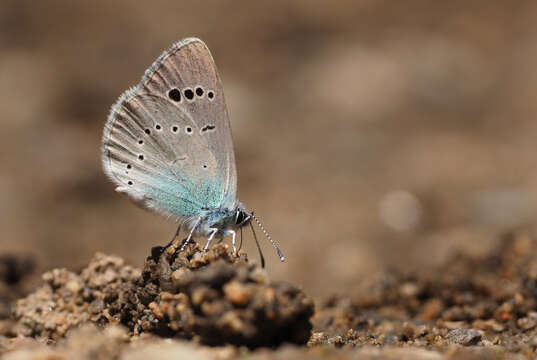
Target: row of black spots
[[175, 94], [174, 129], [158, 127], [129, 166]]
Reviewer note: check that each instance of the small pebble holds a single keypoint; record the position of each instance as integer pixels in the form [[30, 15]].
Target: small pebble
[[463, 336], [239, 294]]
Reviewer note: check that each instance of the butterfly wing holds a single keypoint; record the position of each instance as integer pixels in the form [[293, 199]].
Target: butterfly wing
[[167, 142]]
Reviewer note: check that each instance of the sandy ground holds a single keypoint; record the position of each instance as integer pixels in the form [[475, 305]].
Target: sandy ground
[[220, 306]]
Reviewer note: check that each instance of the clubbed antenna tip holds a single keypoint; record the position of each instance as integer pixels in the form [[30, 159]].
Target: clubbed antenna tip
[[280, 254]]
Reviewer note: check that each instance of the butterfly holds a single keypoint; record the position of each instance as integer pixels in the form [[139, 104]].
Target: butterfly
[[167, 145]]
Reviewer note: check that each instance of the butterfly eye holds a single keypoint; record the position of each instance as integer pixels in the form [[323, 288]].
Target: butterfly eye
[[240, 217], [210, 95], [199, 91]]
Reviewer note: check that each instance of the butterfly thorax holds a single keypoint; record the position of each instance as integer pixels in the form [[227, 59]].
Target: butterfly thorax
[[221, 219]]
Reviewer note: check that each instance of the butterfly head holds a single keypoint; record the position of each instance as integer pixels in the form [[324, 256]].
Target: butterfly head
[[242, 216]]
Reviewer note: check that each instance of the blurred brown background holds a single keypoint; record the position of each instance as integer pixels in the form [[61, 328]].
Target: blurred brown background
[[367, 133]]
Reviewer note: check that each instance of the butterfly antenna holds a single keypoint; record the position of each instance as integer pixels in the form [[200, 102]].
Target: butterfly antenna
[[282, 258], [258, 247]]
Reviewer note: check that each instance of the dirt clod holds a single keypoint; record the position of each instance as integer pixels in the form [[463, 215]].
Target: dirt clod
[[218, 298]]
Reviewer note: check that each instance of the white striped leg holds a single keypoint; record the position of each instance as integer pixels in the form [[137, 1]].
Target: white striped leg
[[189, 238], [233, 240], [215, 230]]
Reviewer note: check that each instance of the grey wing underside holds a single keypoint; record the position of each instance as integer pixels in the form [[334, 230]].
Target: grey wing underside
[[175, 157]]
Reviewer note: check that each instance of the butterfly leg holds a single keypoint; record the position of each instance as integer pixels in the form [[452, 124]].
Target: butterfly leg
[[215, 230], [177, 232], [175, 236], [233, 240], [189, 238], [156, 251]]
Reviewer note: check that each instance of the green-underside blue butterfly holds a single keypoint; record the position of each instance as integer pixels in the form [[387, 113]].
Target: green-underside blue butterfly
[[167, 145]]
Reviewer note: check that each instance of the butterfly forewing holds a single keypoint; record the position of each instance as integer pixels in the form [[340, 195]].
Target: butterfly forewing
[[167, 142], [189, 66]]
